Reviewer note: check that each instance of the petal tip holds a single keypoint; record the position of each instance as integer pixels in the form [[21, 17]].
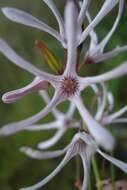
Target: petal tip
[[5, 10], [5, 99]]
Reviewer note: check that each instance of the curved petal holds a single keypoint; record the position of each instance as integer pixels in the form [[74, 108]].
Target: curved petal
[[109, 119], [36, 154], [22, 17], [105, 9], [52, 141], [17, 126], [110, 99], [93, 34], [36, 85], [66, 159], [71, 110], [8, 52], [116, 162], [101, 135], [39, 127], [56, 13], [96, 91], [109, 35], [46, 98], [82, 13], [120, 120], [117, 72], [111, 54], [101, 108], [86, 159], [72, 30]]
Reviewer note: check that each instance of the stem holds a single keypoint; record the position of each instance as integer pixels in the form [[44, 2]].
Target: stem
[[89, 184], [78, 182], [96, 173], [77, 168], [112, 170]]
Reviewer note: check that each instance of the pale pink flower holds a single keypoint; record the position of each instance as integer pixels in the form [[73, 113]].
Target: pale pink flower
[[105, 105], [69, 85], [62, 122], [83, 145], [95, 53]]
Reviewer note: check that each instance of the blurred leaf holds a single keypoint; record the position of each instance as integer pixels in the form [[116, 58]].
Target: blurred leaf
[[49, 57]]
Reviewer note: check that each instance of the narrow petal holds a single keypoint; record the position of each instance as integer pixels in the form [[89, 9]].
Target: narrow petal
[[110, 99], [111, 54], [72, 30], [115, 73], [96, 91], [22, 17], [86, 159], [17, 126], [120, 120], [109, 35], [116, 162], [56, 13], [36, 85], [82, 13], [101, 108], [36, 154], [114, 116], [71, 110], [101, 135], [8, 52], [105, 9], [93, 34], [40, 127], [46, 99], [69, 155], [52, 141], [86, 174]]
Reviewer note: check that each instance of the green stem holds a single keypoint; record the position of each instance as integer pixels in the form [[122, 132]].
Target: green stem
[[77, 168], [112, 171], [96, 173], [89, 184]]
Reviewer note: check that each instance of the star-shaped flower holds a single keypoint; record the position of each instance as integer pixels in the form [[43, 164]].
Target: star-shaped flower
[[96, 53], [83, 145], [69, 85], [105, 105]]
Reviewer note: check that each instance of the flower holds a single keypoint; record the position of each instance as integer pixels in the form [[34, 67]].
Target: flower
[[65, 121], [69, 85], [96, 53], [83, 145], [105, 106], [62, 122], [22, 17]]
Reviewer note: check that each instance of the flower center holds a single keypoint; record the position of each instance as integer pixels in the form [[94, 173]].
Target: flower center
[[69, 86]]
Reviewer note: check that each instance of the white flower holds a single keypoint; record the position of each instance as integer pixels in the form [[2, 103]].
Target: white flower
[[28, 20], [62, 122], [69, 85], [82, 144], [96, 52], [105, 105]]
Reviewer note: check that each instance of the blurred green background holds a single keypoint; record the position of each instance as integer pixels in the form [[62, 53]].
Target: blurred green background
[[17, 170]]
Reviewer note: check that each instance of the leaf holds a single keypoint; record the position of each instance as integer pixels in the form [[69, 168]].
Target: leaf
[[53, 63]]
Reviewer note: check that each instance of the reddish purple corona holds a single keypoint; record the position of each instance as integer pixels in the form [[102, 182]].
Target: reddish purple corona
[[69, 86]]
